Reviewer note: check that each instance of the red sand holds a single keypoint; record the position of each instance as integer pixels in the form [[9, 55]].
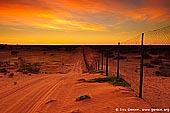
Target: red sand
[[56, 93]]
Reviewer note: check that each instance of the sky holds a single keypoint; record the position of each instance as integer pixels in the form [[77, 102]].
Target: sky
[[69, 22]]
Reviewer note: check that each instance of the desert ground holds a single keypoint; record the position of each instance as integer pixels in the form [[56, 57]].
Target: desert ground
[[53, 85]]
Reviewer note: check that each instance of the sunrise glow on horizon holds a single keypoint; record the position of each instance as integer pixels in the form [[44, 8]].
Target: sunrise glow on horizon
[[79, 22]]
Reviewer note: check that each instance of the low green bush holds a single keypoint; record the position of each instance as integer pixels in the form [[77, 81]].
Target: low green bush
[[156, 61], [163, 71], [15, 83], [149, 65], [96, 71], [14, 52], [110, 79], [83, 97], [82, 80], [147, 56], [10, 75], [28, 67], [3, 70]]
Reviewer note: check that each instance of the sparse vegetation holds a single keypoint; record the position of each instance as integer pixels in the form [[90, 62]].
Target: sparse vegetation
[[147, 56], [15, 83], [85, 71], [120, 82], [161, 57], [83, 97], [96, 71], [148, 65], [163, 71], [167, 54], [167, 65], [156, 61], [14, 52], [10, 75], [4, 64], [110, 79], [28, 67], [4, 70], [82, 80], [155, 51]]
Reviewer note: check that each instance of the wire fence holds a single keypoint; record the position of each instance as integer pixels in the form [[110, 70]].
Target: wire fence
[[147, 68], [156, 37], [144, 64]]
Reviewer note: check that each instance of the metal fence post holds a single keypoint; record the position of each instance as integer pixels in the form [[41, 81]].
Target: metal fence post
[[107, 61], [141, 67], [98, 61], [118, 57], [102, 61]]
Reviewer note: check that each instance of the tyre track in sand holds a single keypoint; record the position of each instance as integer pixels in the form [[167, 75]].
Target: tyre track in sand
[[29, 103], [8, 92], [33, 95]]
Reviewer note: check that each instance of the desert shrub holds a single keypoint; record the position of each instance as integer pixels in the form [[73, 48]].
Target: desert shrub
[[28, 67], [14, 52], [96, 71], [157, 73], [83, 97], [85, 71], [1, 63], [120, 82], [7, 63], [15, 83], [155, 52], [100, 80], [36, 64], [110, 79], [156, 61], [4, 64], [10, 75], [82, 80], [43, 49], [163, 71], [161, 57], [3, 70], [167, 65], [147, 56], [148, 65], [167, 54]]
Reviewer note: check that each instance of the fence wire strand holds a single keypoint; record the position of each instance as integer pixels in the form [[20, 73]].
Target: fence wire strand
[[156, 37]]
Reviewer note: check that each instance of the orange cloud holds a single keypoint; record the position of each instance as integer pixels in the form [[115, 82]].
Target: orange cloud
[[28, 16], [147, 14], [110, 18]]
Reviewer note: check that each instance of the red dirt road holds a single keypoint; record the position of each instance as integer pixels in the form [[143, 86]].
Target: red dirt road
[[56, 93]]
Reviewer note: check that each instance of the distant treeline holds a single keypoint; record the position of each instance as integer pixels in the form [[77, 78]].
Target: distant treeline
[[123, 48], [131, 48]]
